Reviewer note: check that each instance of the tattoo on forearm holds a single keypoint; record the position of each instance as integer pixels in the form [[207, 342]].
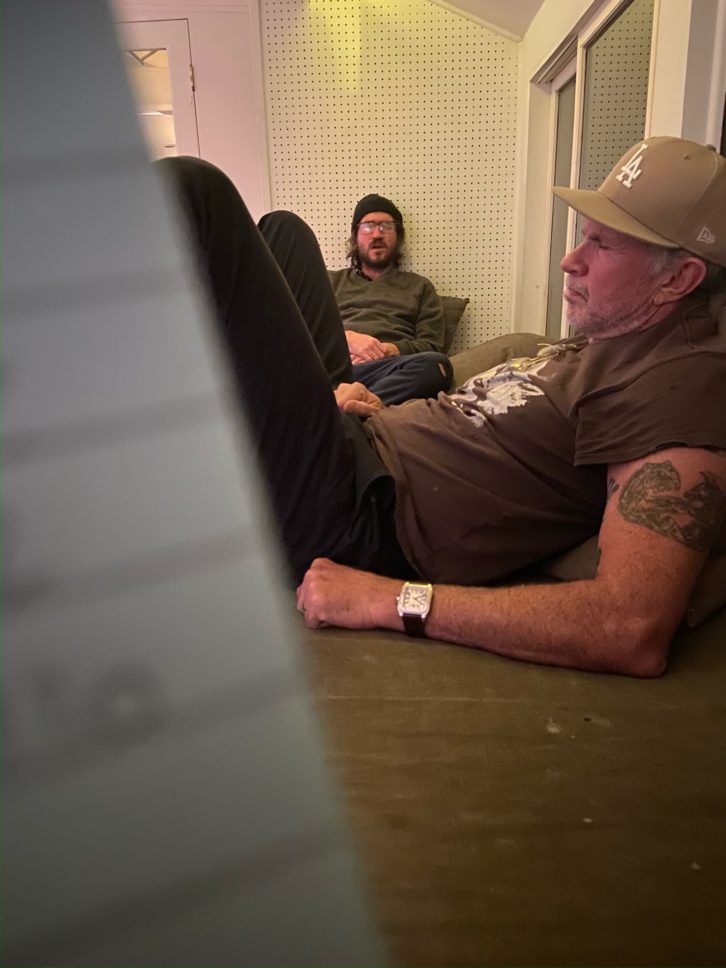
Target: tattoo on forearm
[[693, 518], [612, 488]]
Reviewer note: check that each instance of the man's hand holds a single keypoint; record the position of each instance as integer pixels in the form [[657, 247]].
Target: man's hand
[[358, 399], [333, 594], [362, 348], [391, 349]]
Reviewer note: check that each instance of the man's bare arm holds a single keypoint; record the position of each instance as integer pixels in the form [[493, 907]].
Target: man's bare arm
[[662, 516]]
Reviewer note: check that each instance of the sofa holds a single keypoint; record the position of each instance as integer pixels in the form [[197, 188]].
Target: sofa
[[513, 814]]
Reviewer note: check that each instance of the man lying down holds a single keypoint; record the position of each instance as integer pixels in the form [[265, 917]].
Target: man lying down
[[619, 431]]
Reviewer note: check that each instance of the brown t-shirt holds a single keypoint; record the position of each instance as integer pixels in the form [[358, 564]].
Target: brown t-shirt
[[511, 468]]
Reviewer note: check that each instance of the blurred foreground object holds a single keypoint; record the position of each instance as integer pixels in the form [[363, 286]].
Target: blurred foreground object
[[165, 799]]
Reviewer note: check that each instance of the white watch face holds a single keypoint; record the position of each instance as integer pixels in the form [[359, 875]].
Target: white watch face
[[415, 600]]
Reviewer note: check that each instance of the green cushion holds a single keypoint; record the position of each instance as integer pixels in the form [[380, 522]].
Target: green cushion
[[454, 307]]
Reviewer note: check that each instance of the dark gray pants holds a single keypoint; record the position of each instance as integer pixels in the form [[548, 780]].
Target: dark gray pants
[[330, 493]]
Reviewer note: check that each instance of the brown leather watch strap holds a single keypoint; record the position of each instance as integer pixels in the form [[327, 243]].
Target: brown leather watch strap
[[414, 625]]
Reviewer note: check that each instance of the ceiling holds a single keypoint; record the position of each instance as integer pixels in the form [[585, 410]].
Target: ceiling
[[511, 16]]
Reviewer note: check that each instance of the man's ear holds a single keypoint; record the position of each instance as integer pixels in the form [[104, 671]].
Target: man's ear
[[681, 278]]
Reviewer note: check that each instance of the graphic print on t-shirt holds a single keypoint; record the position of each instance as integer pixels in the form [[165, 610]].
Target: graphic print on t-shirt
[[498, 390]]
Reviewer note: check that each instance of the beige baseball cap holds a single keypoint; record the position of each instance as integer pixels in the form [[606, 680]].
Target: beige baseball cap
[[666, 191]]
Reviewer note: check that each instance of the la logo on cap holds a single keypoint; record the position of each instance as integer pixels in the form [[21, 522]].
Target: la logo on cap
[[631, 169]]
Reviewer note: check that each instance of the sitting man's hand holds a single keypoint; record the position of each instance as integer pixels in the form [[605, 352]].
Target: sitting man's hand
[[391, 349], [355, 398], [363, 348]]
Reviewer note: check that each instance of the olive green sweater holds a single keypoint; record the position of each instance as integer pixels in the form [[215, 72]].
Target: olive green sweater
[[398, 307]]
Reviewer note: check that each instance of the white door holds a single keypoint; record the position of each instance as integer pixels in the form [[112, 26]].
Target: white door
[[158, 61]]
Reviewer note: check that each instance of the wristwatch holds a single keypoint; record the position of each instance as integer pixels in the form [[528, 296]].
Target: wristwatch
[[414, 605]]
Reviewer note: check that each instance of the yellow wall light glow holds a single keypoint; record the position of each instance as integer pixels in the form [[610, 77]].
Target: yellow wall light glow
[[343, 38]]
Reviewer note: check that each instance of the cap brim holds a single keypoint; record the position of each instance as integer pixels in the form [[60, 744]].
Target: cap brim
[[601, 209]]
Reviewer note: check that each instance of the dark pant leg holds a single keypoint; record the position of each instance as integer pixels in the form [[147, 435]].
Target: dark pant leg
[[306, 457], [296, 250], [400, 378]]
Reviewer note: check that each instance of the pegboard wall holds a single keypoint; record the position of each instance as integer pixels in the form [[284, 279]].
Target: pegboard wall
[[410, 100], [616, 74]]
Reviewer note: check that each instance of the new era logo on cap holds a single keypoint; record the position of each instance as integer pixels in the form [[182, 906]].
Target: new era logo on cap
[[706, 236]]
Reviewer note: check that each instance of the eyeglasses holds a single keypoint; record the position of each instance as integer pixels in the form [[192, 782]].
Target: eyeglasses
[[368, 228]]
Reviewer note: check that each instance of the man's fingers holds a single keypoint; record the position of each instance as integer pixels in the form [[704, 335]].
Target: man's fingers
[[307, 594], [372, 349], [360, 408], [367, 348], [300, 597]]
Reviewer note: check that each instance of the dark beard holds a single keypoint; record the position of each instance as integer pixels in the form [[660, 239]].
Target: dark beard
[[366, 263]]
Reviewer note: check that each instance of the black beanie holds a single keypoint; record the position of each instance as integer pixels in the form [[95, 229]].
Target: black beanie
[[375, 203]]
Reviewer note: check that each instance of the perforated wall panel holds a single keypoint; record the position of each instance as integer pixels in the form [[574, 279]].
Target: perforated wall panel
[[414, 102]]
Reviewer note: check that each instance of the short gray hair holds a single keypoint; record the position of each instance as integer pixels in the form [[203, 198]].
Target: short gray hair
[[714, 280]]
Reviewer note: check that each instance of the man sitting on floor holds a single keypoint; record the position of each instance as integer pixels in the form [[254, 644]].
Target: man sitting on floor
[[619, 431], [394, 320]]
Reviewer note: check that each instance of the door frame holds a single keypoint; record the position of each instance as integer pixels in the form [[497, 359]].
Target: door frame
[[173, 36]]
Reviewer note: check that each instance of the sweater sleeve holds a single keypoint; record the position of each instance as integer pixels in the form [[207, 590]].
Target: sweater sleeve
[[430, 325]]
